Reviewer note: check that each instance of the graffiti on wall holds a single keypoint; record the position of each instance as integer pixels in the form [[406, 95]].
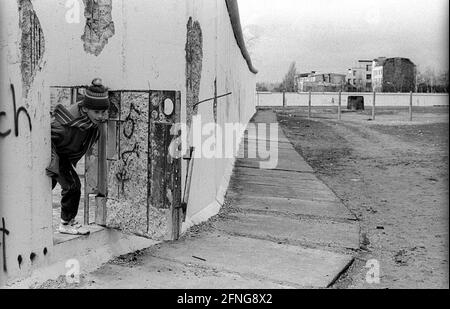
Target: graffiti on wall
[[127, 155], [4, 233], [130, 122], [123, 174], [16, 113], [127, 185], [194, 58]]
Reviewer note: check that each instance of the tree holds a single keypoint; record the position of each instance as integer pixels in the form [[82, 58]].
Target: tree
[[288, 83], [279, 87], [442, 82], [429, 81], [261, 87]]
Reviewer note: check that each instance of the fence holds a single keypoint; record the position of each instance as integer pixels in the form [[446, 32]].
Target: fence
[[346, 99], [332, 99]]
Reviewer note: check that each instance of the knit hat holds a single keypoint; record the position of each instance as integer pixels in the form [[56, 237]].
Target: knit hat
[[96, 96]]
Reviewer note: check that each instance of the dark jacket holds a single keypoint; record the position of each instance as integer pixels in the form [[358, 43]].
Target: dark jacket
[[72, 134]]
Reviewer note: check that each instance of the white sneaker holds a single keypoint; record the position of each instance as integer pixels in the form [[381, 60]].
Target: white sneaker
[[75, 223], [68, 229]]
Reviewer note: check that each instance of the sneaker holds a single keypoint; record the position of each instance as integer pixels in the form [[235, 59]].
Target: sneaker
[[75, 223], [69, 229]]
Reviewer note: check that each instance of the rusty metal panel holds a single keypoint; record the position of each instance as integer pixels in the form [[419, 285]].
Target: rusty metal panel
[[158, 159], [161, 162], [113, 126], [164, 169], [177, 212], [112, 141]]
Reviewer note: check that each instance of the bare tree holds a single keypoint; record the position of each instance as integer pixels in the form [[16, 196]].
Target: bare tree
[[429, 81], [442, 82], [261, 87], [288, 83]]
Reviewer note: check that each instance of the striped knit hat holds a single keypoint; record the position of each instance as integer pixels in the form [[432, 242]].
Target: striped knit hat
[[96, 96]]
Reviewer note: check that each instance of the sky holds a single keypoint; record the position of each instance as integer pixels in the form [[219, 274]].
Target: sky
[[332, 35]]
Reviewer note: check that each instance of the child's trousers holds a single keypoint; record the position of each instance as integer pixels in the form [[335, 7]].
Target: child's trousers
[[71, 189]]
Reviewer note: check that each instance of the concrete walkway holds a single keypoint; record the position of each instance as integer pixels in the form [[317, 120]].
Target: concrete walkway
[[280, 228]]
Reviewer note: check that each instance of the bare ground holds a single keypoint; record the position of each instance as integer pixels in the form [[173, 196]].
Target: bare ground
[[393, 175]]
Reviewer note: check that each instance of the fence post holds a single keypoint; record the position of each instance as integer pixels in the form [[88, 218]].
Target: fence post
[[339, 106], [309, 105], [410, 105], [373, 105], [284, 100]]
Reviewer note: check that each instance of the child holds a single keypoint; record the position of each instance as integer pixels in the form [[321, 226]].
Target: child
[[73, 132]]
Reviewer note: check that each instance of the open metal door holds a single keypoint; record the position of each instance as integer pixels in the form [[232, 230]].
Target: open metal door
[[143, 192]]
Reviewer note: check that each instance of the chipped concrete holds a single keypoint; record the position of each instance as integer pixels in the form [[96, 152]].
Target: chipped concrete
[[32, 43], [99, 25], [194, 58]]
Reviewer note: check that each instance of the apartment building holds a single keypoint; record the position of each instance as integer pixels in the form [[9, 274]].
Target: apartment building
[[393, 74], [320, 82], [359, 77]]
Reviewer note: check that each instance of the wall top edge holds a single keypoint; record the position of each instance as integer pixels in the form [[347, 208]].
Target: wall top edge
[[233, 11]]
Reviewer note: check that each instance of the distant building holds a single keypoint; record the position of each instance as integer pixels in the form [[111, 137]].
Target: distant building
[[393, 75], [359, 78], [320, 82], [377, 74]]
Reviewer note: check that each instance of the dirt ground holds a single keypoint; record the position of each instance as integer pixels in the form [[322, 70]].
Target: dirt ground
[[393, 175]]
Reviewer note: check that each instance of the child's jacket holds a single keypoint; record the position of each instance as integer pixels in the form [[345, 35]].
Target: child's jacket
[[72, 134]]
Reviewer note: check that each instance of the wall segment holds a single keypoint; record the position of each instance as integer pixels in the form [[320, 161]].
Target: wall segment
[[186, 46]]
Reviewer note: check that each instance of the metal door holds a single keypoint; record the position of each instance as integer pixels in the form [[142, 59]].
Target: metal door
[[143, 179]]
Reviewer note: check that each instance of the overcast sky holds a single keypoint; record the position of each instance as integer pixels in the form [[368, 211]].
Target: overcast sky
[[331, 35]]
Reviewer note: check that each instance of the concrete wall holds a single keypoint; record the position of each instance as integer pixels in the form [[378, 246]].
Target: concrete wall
[[142, 46], [222, 61], [25, 196], [332, 99]]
